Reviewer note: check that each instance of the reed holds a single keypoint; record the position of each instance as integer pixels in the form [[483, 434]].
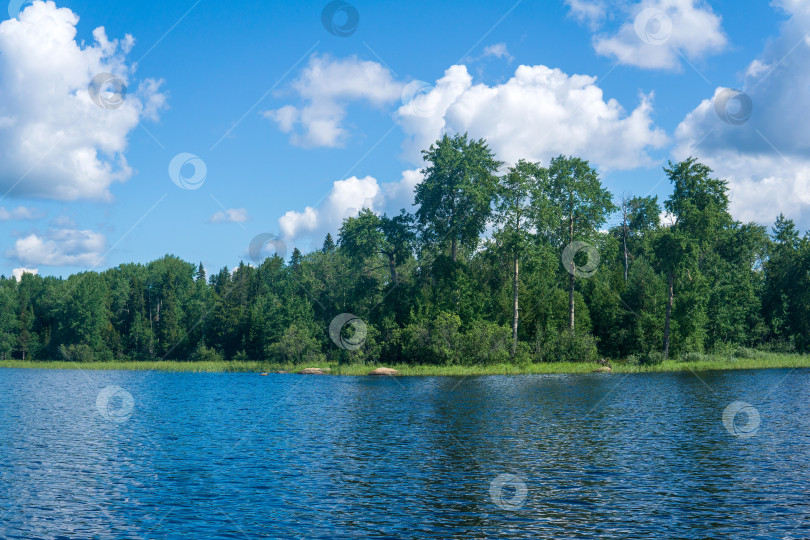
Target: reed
[[762, 360]]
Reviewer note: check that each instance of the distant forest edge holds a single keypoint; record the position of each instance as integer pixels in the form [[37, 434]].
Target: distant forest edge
[[547, 285]]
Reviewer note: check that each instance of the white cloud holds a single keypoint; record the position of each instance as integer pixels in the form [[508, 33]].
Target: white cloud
[[60, 247], [55, 142], [592, 12], [327, 86], [656, 32], [539, 113], [765, 157], [64, 222], [498, 50], [20, 213], [346, 199], [18, 272], [230, 215]]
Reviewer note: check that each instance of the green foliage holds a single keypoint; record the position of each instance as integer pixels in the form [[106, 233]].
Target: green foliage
[[432, 290], [568, 346], [455, 198], [296, 346], [205, 354], [652, 358], [81, 352]]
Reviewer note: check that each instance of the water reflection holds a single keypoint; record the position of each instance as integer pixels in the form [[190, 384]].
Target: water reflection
[[237, 455]]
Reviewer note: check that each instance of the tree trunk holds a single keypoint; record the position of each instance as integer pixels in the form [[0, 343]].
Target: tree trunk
[[571, 298], [624, 242], [573, 276], [453, 249], [670, 281], [516, 314], [392, 268]]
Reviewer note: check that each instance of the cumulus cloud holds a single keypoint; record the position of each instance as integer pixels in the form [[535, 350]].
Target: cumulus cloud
[[327, 86], [230, 215], [346, 198], [538, 113], [20, 213], [60, 247], [757, 139], [55, 141], [18, 272], [656, 32]]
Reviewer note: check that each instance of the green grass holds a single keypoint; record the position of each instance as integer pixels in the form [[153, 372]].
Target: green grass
[[760, 360]]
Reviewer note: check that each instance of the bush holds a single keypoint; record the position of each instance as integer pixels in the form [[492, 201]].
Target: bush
[[438, 342], [486, 343], [568, 346], [692, 357], [80, 352], [241, 356], [296, 347], [206, 354], [632, 360], [780, 346], [652, 358], [745, 352]]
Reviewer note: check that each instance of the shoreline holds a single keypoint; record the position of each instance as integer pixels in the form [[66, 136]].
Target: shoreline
[[708, 363]]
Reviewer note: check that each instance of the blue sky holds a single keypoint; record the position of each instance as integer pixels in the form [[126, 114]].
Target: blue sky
[[279, 109]]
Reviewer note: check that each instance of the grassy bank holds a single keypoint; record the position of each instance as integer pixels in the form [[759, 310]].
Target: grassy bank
[[704, 363]]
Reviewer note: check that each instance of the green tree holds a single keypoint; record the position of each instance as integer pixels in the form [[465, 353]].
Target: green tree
[[8, 317], [514, 213], [674, 253], [572, 205], [455, 198]]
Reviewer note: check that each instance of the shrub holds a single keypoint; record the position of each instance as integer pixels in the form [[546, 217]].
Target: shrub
[[746, 352], [486, 343], [652, 358], [80, 352], [296, 346], [568, 346], [241, 356], [437, 342], [632, 360], [692, 357], [206, 354]]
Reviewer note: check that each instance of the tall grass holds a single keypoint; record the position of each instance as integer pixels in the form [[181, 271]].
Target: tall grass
[[761, 360]]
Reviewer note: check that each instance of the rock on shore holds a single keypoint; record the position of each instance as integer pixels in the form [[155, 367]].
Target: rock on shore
[[384, 371], [312, 371]]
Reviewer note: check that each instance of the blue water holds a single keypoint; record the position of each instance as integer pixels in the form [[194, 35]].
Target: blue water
[[164, 455]]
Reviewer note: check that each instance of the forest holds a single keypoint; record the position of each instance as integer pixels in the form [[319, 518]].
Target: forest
[[496, 265]]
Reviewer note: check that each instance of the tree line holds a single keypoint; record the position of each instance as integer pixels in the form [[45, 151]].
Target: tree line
[[491, 268]]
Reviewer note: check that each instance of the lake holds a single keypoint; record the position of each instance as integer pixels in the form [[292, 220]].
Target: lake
[[114, 454]]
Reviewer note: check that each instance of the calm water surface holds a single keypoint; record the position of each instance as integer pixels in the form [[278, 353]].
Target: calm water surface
[[289, 456]]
